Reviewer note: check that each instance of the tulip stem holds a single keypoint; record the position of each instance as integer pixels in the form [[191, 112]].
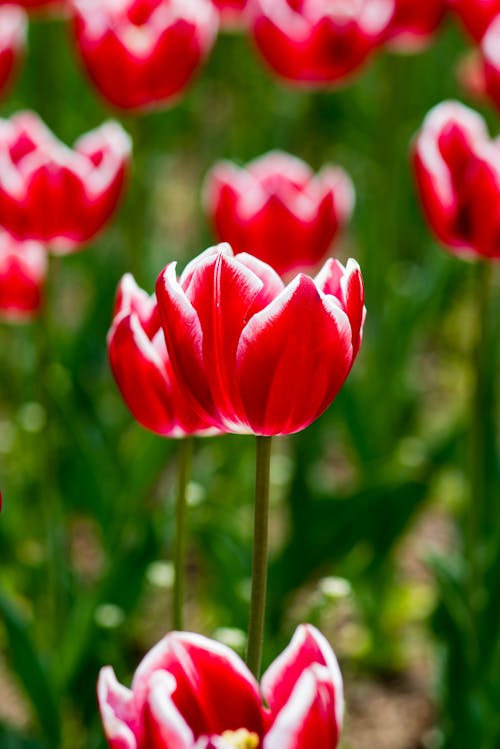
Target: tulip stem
[[184, 460], [260, 554], [480, 518]]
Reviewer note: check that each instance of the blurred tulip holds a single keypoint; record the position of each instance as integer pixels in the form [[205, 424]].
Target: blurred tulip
[[23, 267], [190, 692], [278, 210], [13, 24], [318, 42], [414, 24], [53, 194], [475, 15], [142, 369], [141, 54], [257, 356], [232, 12], [458, 175]]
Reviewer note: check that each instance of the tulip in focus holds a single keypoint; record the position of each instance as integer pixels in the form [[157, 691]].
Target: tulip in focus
[[13, 26], [232, 12], [54, 194], [142, 368], [190, 692], [475, 15], [457, 169], [23, 267], [257, 356], [318, 42], [141, 54], [277, 209], [414, 24]]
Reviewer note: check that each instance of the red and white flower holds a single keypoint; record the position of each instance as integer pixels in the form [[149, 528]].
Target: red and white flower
[[54, 194], [254, 355], [190, 692], [277, 209]]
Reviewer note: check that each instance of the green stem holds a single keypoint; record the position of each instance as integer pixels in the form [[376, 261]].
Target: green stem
[[184, 460], [480, 514], [260, 553], [53, 512]]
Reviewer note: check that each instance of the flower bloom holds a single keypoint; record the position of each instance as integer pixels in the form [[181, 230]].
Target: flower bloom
[[23, 267], [414, 24], [53, 194], [475, 15], [141, 366], [318, 43], [458, 176], [190, 692], [278, 210], [232, 12], [13, 26], [255, 355], [141, 54]]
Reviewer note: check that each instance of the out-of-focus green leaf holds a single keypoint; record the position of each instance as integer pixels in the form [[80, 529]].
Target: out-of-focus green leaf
[[31, 673]]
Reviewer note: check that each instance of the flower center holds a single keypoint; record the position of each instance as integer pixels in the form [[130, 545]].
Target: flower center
[[241, 739]]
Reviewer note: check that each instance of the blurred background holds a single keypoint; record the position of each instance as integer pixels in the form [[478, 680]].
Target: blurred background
[[367, 503]]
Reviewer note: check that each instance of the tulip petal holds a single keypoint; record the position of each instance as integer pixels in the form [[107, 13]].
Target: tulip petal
[[165, 725], [307, 647], [307, 720], [184, 338], [293, 357], [215, 691], [119, 716]]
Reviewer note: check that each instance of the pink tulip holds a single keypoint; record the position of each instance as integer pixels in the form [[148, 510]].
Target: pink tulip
[[255, 355], [141, 54], [191, 692], [53, 194], [13, 26], [232, 12], [23, 267], [414, 24], [458, 175], [277, 209], [142, 368], [318, 42], [475, 15]]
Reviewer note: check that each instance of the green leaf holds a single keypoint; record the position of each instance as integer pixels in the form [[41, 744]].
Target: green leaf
[[28, 668]]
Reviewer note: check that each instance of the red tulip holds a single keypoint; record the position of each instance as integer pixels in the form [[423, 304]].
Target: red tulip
[[475, 15], [471, 76], [318, 42], [232, 12], [53, 194], [190, 692], [142, 369], [414, 24], [257, 356], [278, 210], [458, 176], [12, 38], [141, 54], [23, 267]]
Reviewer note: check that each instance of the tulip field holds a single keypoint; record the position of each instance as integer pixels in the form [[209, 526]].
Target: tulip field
[[249, 379]]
